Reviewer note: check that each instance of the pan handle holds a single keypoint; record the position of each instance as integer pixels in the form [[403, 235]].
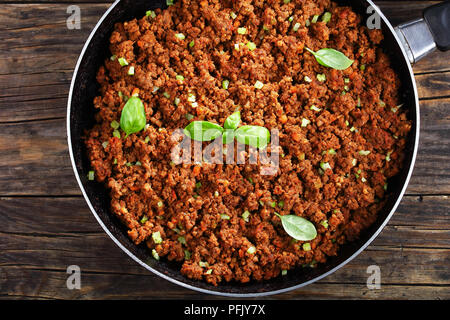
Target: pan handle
[[422, 36]]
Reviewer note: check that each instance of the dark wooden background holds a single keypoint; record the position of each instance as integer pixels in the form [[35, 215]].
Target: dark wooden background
[[45, 225]]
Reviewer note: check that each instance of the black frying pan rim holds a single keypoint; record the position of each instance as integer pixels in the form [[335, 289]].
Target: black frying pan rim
[[254, 294]]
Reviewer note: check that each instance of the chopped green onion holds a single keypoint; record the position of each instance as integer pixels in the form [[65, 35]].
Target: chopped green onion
[[286, 1], [362, 67], [358, 104], [308, 79], [147, 139], [115, 161], [346, 80], [325, 166], [151, 13], [156, 236], [155, 254], [296, 26], [346, 88], [291, 18], [259, 85], [176, 101], [169, 2], [225, 84], [233, 15], [273, 204], [251, 250], [388, 156], [236, 46], [113, 58], [179, 78], [131, 71], [198, 185], [281, 204], [180, 36], [324, 223], [115, 124], [251, 46], [194, 104], [305, 122], [224, 217], [245, 215], [91, 175], [116, 134], [321, 77], [155, 89], [306, 246], [144, 219], [138, 163], [313, 107], [242, 30], [352, 129], [385, 186], [187, 255], [363, 179], [123, 62], [364, 152], [160, 204], [216, 194], [315, 18], [209, 271], [182, 240], [189, 116], [284, 272], [203, 264], [192, 44], [166, 94], [191, 97], [354, 162], [307, 23], [326, 17]]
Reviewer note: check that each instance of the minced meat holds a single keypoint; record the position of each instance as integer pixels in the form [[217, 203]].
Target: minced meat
[[354, 110]]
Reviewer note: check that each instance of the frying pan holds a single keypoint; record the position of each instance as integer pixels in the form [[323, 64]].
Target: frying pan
[[405, 44]]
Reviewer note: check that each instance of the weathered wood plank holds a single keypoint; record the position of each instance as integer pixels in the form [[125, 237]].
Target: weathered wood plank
[[34, 158], [51, 284]]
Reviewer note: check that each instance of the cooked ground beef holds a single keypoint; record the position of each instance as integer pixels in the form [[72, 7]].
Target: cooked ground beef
[[355, 110]]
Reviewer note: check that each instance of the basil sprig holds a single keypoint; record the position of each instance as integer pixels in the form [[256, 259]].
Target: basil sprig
[[331, 58], [297, 227], [254, 136], [203, 130], [233, 121], [133, 119]]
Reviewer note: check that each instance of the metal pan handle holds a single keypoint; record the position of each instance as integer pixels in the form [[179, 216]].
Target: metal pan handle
[[422, 36]]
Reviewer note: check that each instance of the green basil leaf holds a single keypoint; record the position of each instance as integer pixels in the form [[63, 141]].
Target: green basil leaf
[[298, 228], [254, 136], [233, 121], [203, 130], [332, 58], [228, 136], [133, 119]]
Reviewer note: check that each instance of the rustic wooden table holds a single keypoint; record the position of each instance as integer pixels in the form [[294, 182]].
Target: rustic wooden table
[[45, 225]]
